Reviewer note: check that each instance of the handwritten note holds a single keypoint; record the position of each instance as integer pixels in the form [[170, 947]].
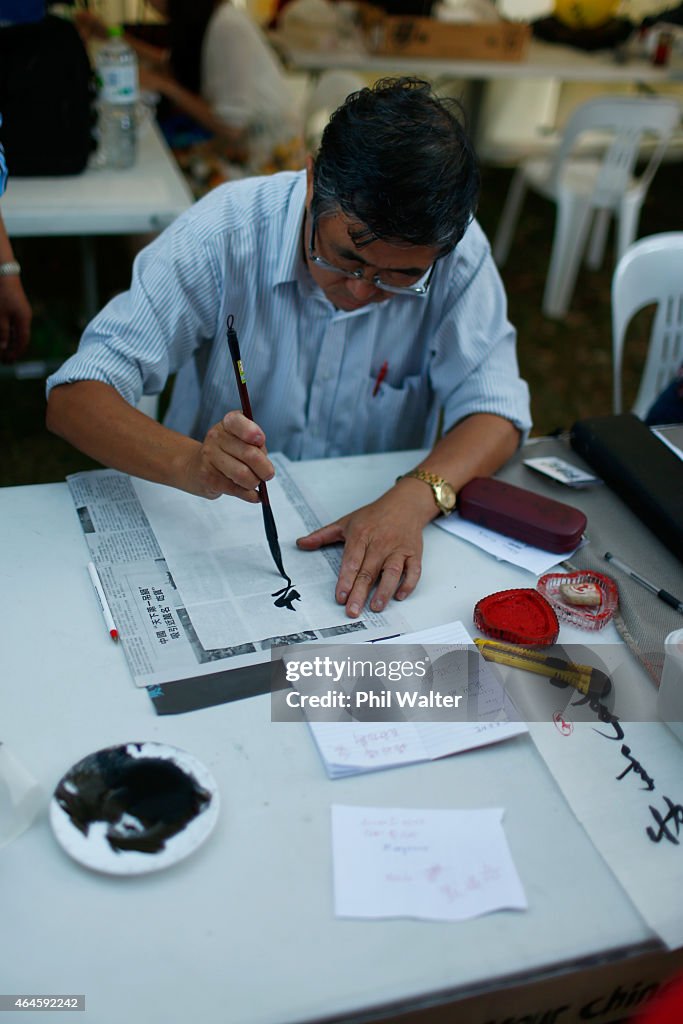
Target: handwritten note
[[437, 865]]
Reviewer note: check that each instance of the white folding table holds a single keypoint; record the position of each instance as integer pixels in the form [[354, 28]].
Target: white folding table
[[144, 198], [244, 932]]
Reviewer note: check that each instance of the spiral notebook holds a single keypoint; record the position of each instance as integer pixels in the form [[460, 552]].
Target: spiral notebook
[[408, 735]]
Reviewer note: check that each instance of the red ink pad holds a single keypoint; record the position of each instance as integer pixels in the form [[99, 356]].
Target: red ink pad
[[556, 587], [520, 616]]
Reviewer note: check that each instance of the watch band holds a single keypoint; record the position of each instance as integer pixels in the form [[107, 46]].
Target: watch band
[[9, 269], [429, 478], [437, 484]]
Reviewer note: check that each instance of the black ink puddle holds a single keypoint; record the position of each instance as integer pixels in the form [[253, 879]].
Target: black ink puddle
[[146, 800]]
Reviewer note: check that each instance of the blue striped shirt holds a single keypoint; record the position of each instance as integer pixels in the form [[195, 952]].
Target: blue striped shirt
[[311, 369]]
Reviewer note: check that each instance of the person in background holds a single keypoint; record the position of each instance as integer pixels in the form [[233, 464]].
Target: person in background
[[371, 318], [15, 311], [220, 73]]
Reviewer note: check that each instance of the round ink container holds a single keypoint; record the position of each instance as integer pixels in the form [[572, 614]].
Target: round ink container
[[518, 616], [567, 608], [134, 808]]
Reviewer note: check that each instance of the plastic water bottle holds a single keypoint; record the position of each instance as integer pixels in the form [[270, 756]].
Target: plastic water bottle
[[117, 76]]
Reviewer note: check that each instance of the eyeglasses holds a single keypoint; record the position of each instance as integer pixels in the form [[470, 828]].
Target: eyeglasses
[[390, 282]]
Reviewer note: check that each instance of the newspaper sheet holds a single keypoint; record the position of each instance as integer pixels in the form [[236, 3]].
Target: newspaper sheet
[[159, 639], [219, 558]]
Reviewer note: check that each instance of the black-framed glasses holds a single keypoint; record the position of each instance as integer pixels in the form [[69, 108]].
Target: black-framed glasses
[[390, 282]]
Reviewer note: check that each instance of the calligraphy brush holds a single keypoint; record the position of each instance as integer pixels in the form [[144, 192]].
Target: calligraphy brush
[[268, 519]]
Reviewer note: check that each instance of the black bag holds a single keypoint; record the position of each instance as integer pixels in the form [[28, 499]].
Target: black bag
[[639, 467], [47, 93]]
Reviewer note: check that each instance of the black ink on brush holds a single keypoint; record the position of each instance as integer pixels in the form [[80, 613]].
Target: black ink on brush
[[145, 800], [268, 519]]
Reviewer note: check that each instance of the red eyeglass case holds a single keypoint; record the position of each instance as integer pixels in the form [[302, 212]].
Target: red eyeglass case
[[521, 514]]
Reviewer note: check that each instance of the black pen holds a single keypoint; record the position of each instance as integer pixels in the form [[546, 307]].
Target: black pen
[[268, 519], [663, 595]]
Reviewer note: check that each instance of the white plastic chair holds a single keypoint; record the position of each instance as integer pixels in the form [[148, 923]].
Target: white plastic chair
[[649, 272], [585, 186]]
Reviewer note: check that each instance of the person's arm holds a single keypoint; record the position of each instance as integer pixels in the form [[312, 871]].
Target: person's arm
[[196, 107], [156, 57], [15, 310], [94, 418], [383, 540], [90, 26], [154, 76], [134, 344]]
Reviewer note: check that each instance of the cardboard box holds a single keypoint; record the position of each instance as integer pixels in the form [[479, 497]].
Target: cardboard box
[[403, 36]]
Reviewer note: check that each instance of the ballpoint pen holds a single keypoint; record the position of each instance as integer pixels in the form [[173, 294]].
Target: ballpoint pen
[[104, 604], [268, 519], [663, 595], [380, 377]]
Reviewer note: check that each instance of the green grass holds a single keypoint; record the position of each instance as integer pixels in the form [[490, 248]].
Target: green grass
[[567, 364]]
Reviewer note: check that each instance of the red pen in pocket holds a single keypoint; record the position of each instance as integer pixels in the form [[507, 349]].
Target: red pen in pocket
[[380, 377]]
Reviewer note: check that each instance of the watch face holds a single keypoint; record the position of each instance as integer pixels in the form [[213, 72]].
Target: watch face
[[445, 495]]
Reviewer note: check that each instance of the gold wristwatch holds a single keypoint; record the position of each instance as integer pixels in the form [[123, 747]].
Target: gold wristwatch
[[444, 495]]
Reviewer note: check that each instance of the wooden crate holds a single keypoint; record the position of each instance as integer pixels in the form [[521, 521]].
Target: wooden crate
[[389, 35]]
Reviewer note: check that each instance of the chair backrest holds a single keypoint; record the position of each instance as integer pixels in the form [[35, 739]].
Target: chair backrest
[[624, 120], [649, 272]]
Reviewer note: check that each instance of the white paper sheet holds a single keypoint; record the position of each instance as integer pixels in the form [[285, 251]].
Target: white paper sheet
[[218, 556], [507, 549], [349, 744], [669, 442], [564, 472], [438, 865], [630, 801]]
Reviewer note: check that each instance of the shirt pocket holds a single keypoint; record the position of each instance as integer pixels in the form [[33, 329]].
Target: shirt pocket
[[396, 416]]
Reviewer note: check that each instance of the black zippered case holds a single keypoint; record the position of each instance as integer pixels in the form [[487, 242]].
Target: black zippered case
[[640, 468]]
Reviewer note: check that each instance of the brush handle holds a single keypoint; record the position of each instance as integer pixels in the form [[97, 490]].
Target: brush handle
[[241, 378]]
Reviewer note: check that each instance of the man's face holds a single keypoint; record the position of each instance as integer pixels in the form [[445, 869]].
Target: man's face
[[399, 265]]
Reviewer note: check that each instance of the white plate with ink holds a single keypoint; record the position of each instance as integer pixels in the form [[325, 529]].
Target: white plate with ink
[[134, 808]]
